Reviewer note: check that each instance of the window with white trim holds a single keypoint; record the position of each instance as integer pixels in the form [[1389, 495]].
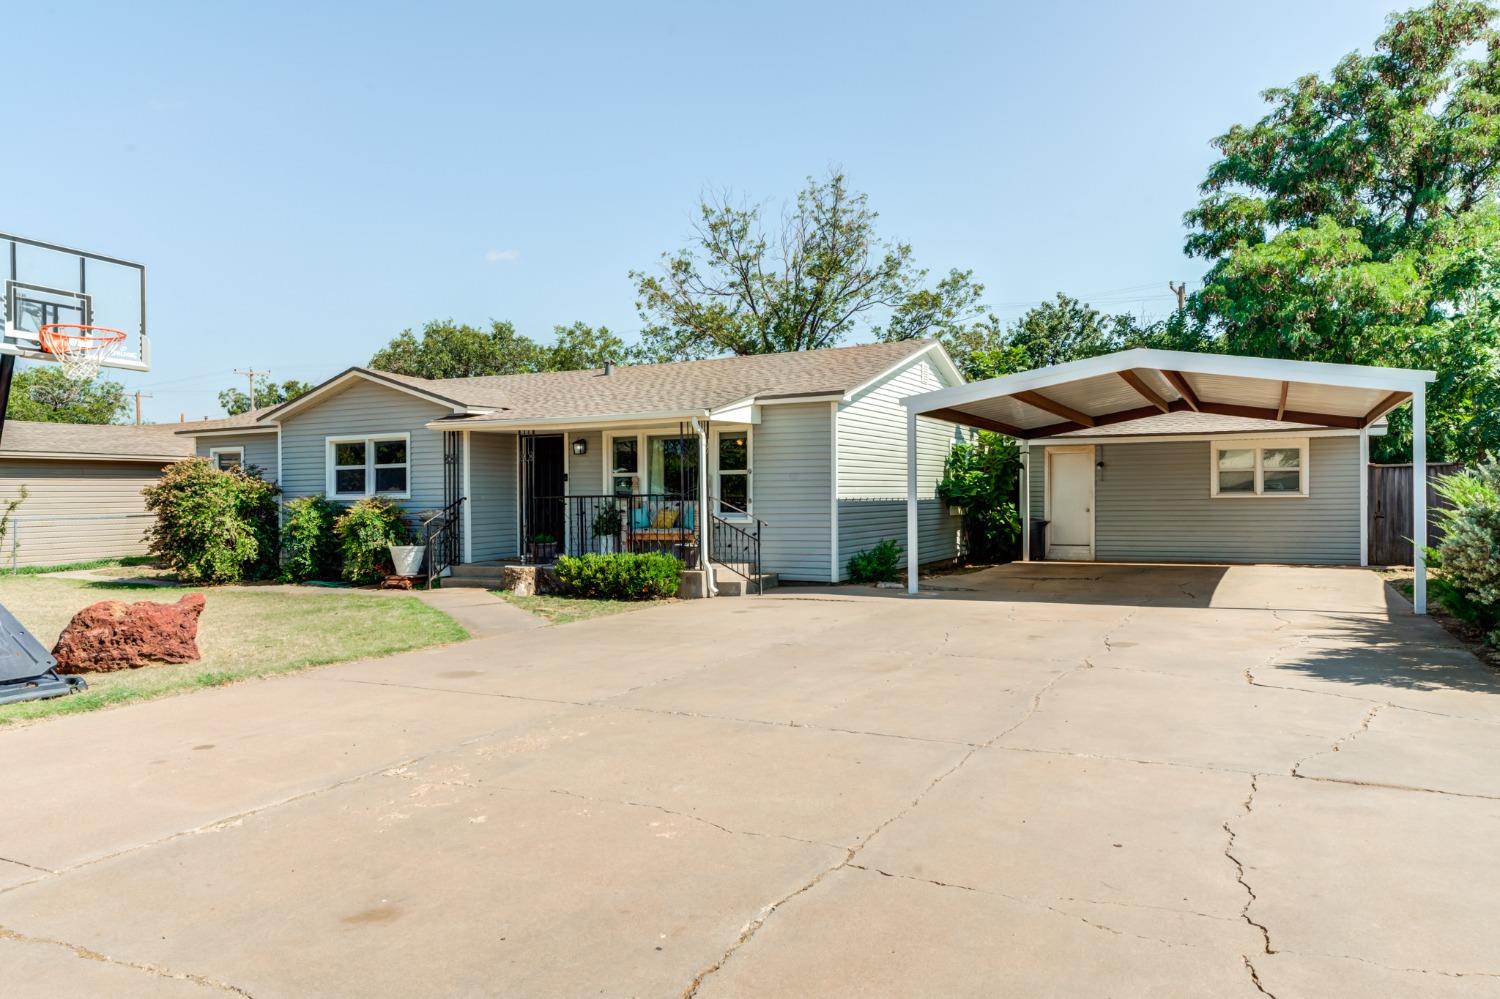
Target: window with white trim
[[1259, 467], [734, 472], [225, 458], [369, 466]]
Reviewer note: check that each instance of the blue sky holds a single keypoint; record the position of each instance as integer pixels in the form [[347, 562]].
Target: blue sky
[[303, 182]]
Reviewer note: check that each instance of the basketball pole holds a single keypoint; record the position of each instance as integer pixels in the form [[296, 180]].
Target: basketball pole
[[7, 374]]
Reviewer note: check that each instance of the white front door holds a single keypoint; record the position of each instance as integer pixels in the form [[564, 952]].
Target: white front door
[[1070, 503]]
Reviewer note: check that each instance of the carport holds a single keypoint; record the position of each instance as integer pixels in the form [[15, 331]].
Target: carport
[[1261, 417]]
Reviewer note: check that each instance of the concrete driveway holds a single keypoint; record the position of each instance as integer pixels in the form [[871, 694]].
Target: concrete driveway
[[1043, 780]]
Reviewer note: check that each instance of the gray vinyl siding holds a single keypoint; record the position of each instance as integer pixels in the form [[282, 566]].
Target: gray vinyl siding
[[260, 450], [872, 468], [793, 489], [364, 409], [76, 511], [586, 471], [492, 495], [1153, 503]]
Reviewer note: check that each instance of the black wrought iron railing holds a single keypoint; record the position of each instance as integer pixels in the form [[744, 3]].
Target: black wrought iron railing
[[442, 534], [735, 544], [643, 523]]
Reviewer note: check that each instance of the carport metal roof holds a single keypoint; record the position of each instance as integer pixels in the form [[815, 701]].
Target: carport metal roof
[[1143, 383], [1133, 384]]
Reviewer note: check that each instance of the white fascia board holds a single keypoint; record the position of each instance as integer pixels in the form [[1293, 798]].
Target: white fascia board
[[373, 377], [1205, 436], [254, 428], [744, 411], [570, 422], [1227, 365]]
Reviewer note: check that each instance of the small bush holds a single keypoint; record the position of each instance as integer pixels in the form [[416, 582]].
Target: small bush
[[309, 549], [365, 533], [213, 526], [880, 564], [1469, 554], [623, 576]]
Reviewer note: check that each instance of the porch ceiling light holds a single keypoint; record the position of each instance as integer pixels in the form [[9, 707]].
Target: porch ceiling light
[[581, 446]]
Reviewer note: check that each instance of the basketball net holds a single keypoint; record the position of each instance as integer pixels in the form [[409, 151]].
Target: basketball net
[[80, 350]]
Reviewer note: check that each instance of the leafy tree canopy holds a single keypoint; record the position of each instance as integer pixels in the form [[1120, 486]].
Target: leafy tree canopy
[[44, 394], [1356, 222], [809, 281], [236, 402], [446, 349]]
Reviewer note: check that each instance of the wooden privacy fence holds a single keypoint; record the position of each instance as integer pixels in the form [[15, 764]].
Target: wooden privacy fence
[[1390, 511]]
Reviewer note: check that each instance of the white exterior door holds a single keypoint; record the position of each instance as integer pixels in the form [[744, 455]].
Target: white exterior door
[[1070, 503]]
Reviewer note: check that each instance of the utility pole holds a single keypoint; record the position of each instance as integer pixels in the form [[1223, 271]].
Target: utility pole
[[139, 395], [252, 374], [1180, 290]]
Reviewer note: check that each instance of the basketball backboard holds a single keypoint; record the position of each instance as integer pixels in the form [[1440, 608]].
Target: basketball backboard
[[47, 284]]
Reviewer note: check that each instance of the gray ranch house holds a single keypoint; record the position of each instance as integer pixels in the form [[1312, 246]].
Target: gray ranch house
[[798, 460]]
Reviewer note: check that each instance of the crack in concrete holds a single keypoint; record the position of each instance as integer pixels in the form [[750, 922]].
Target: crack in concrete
[[89, 954], [1364, 726], [752, 927], [1023, 900], [1239, 875], [22, 863], [563, 792], [1392, 967]]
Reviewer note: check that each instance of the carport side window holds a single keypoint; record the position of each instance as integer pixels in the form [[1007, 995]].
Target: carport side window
[[1259, 468]]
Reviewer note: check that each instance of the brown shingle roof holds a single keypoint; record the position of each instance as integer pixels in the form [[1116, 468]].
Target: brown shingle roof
[[153, 442], [246, 419], [678, 387]]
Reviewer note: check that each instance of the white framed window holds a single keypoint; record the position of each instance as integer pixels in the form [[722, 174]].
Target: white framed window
[[369, 466], [225, 458], [732, 456], [1258, 468]]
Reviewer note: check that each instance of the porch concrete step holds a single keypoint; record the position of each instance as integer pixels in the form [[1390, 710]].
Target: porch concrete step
[[732, 585], [488, 570], [494, 582]]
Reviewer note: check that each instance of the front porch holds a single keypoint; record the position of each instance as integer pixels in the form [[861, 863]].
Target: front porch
[[521, 499]]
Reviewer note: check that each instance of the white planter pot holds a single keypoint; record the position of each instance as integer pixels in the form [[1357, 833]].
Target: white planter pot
[[407, 559]]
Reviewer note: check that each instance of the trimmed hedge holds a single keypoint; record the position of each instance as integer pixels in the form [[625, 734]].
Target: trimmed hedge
[[213, 526], [881, 564], [621, 576], [309, 549], [365, 533]]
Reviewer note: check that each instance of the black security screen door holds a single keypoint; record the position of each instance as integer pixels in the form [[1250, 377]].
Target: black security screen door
[[542, 480]]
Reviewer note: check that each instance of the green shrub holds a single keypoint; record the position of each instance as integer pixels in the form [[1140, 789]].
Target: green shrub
[[881, 564], [309, 549], [983, 478], [623, 576], [213, 526], [365, 533], [1469, 554]]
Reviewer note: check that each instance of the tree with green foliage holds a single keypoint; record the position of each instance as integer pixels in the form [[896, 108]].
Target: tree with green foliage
[[211, 525], [806, 284], [446, 349], [1356, 222], [46, 395], [236, 402]]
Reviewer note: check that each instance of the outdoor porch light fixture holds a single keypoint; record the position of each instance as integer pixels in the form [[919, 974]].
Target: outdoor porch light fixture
[[581, 446]]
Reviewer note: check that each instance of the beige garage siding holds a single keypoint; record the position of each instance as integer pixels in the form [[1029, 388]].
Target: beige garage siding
[[76, 511]]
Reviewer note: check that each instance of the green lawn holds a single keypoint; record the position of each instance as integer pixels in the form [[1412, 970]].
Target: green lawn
[[244, 632], [566, 610]]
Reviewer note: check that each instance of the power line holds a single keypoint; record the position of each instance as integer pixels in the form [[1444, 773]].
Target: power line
[[251, 374]]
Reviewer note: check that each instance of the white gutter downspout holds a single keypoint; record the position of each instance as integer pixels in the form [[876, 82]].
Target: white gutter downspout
[[703, 514]]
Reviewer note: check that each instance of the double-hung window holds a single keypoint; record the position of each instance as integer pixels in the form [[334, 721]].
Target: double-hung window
[[1259, 468], [734, 472], [369, 466], [225, 458]]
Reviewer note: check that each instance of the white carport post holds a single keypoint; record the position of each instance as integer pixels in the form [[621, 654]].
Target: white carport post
[[1419, 498], [912, 559], [1025, 477]]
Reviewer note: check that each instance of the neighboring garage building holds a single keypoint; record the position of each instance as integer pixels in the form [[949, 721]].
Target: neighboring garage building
[[1157, 455], [84, 487]]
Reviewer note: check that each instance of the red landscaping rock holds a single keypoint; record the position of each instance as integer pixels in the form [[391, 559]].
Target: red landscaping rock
[[113, 635]]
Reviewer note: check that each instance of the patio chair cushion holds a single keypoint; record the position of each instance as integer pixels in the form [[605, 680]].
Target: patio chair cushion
[[640, 518], [665, 518], [689, 517]]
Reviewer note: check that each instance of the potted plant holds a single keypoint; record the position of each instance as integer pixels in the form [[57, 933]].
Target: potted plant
[[407, 559], [607, 527], [543, 548]]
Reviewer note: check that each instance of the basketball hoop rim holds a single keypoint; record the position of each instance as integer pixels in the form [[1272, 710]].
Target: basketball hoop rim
[[87, 338]]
